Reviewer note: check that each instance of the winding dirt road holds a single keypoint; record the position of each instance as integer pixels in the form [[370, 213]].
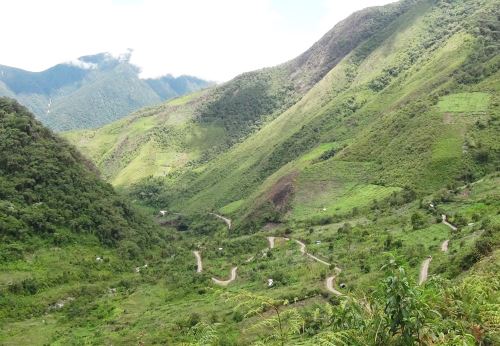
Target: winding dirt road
[[329, 280], [424, 270], [329, 285], [271, 242], [304, 252], [225, 219], [199, 264], [444, 220], [302, 246], [226, 282]]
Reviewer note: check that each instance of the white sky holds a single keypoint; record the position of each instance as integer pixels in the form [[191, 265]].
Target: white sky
[[212, 39]]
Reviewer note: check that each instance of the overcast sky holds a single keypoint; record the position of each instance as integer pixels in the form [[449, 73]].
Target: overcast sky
[[212, 39]]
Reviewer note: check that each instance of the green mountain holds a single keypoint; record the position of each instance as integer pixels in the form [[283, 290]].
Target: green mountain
[[91, 91], [347, 197], [391, 98]]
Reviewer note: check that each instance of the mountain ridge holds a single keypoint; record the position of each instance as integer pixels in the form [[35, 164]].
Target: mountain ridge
[[91, 91]]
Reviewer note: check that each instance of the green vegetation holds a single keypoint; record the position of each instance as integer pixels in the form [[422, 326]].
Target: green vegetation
[[349, 156], [464, 103]]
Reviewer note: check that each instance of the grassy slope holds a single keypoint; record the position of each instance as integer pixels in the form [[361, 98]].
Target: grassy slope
[[135, 147], [56, 218]]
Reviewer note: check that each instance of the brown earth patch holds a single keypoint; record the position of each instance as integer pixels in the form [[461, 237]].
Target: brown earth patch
[[282, 192], [271, 226], [448, 119]]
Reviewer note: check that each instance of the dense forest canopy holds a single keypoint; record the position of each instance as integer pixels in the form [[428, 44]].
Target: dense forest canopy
[[48, 188]]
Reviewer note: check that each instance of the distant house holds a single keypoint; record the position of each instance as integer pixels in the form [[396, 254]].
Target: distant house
[[163, 212]]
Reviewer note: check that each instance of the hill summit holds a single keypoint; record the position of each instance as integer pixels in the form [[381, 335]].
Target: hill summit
[[90, 91]]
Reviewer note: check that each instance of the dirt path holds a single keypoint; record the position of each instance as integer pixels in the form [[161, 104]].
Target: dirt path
[[443, 218], [329, 285], [198, 261], [225, 219], [226, 282], [302, 246], [271, 242], [444, 245], [424, 270], [304, 252]]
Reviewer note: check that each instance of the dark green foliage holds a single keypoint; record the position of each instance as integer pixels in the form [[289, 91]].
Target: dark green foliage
[[403, 307], [418, 221], [244, 104], [47, 187], [482, 248], [328, 154], [483, 61]]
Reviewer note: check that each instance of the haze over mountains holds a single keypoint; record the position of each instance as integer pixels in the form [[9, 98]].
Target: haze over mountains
[[90, 91], [349, 196]]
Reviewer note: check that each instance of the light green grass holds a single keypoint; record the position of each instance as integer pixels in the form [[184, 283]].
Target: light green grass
[[232, 207], [336, 201], [464, 102], [320, 149], [449, 147]]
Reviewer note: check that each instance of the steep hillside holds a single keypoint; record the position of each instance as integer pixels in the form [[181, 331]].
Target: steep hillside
[[415, 106], [348, 197], [224, 115], [411, 103], [90, 92]]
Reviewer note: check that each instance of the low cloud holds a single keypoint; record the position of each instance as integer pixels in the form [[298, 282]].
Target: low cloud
[[82, 64]]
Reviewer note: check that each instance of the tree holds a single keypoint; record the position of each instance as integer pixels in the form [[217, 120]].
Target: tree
[[404, 308]]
